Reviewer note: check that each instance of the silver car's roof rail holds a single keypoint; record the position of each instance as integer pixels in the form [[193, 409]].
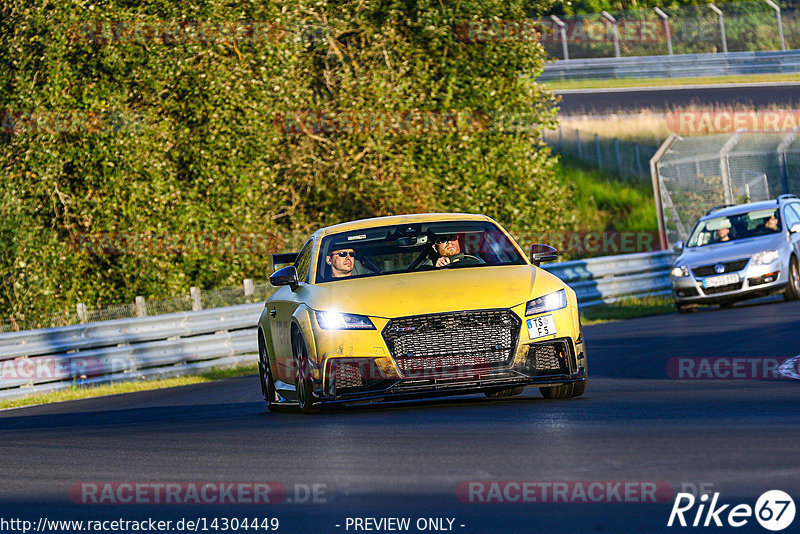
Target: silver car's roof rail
[[715, 208]]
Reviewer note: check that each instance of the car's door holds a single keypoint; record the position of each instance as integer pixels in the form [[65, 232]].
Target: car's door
[[791, 216], [281, 311]]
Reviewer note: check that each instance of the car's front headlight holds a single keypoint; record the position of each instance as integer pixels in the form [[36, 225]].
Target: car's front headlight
[[680, 272], [547, 303], [343, 321], [765, 257]]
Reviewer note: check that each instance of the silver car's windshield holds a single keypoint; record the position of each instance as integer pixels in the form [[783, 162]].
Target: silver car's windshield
[[414, 247], [733, 227]]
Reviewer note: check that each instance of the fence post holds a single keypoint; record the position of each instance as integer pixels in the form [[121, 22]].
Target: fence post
[[780, 22], [667, 32], [141, 307], [718, 11], [563, 32], [560, 136], [597, 151], [197, 303], [578, 144], [618, 155], [788, 140], [613, 22], [83, 316]]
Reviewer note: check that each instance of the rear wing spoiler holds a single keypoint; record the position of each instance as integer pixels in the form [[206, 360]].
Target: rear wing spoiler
[[278, 261]]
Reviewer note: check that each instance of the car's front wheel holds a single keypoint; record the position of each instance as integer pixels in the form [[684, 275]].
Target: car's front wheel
[[684, 308], [564, 391], [265, 375], [302, 374], [792, 291]]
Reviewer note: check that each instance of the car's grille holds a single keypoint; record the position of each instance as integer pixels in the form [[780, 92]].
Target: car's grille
[[351, 374], [550, 358], [723, 289], [730, 267], [455, 342]]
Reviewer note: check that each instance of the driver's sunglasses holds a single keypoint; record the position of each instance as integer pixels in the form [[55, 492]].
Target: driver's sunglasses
[[344, 254], [445, 239]]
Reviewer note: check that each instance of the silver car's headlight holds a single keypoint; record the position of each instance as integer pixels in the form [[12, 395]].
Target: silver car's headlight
[[680, 272], [765, 257], [547, 303], [343, 321]]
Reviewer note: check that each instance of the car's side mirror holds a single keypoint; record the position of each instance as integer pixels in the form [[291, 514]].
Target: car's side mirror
[[677, 247], [285, 277], [540, 253], [795, 228]]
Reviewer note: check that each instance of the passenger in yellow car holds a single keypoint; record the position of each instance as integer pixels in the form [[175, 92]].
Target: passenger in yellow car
[[341, 262]]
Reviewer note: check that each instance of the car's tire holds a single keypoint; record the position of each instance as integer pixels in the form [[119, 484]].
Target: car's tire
[[792, 291], [302, 374], [265, 375], [504, 392], [684, 308], [564, 391]]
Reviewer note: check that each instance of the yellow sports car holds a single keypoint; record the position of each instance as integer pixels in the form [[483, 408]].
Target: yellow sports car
[[417, 306]]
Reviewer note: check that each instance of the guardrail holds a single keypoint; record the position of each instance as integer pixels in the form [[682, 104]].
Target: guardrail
[[185, 343], [682, 66]]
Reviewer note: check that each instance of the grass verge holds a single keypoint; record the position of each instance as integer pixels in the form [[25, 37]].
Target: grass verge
[[602, 202], [627, 309], [653, 82], [85, 392]]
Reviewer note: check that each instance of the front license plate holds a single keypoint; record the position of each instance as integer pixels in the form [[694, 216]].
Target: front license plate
[[541, 326], [724, 280]]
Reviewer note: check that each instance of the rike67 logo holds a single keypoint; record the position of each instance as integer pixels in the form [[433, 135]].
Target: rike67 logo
[[774, 511]]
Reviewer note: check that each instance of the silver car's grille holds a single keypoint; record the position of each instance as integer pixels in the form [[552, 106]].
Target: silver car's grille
[[730, 267]]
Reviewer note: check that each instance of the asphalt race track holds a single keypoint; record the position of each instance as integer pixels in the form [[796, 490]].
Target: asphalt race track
[[738, 437], [663, 99]]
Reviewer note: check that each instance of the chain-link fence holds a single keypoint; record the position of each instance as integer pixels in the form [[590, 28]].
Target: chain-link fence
[[695, 174], [249, 292], [729, 27], [627, 160]]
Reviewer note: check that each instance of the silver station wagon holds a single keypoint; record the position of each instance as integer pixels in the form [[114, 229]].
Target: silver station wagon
[[740, 252]]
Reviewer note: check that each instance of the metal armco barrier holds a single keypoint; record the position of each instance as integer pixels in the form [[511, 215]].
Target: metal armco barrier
[[680, 66], [185, 343]]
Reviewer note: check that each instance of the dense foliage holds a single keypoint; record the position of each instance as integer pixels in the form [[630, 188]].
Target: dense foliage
[[116, 129]]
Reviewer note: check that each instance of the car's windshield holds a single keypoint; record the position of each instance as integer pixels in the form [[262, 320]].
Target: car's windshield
[[732, 227], [414, 247]]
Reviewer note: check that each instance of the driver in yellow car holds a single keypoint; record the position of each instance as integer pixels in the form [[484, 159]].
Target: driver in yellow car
[[449, 250], [341, 262]]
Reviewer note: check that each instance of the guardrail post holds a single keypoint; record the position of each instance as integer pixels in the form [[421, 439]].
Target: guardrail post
[[141, 307], [667, 32], [618, 155], [560, 136], [578, 144], [718, 11], [197, 303], [249, 289], [563, 33], [597, 151], [615, 34], [780, 22], [83, 316]]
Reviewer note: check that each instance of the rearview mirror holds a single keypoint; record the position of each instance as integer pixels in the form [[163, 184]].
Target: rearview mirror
[[540, 253], [677, 247], [285, 277]]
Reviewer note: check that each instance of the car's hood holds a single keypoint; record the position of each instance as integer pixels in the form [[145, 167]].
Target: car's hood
[[729, 251], [404, 294]]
